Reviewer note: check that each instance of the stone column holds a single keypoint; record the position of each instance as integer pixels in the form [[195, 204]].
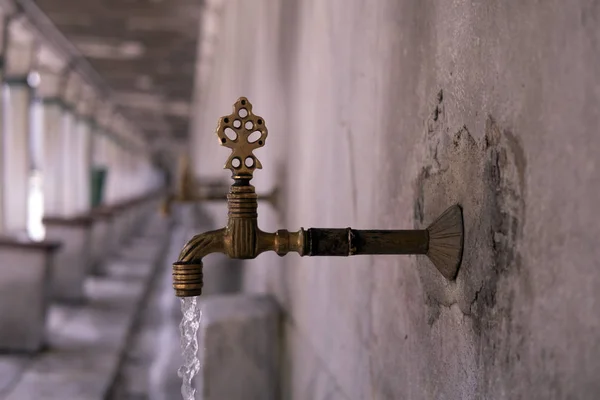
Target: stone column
[[72, 226], [99, 147], [109, 150], [69, 198], [16, 99], [119, 186], [3, 188], [83, 146], [100, 143], [119, 165], [141, 175], [130, 178], [114, 170], [50, 68], [102, 216], [144, 170], [25, 265]]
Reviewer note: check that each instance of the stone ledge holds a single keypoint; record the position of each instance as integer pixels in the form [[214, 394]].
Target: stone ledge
[[76, 220], [25, 268], [102, 211], [86, 343], [45, 245], [239, 348]]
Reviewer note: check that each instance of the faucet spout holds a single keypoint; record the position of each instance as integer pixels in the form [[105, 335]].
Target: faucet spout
[[202, 245], [187, 270]]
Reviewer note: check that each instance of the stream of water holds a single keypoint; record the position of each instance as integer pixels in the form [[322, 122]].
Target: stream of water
[[190, 323], [192, 317]]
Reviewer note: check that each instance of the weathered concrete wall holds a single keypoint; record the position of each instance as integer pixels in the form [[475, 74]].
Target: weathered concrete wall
[[381, 114]]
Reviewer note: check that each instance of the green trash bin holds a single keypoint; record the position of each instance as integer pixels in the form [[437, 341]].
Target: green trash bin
[[97, 186]]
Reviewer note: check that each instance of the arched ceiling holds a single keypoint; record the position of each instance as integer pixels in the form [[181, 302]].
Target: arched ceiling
[[144, 49]]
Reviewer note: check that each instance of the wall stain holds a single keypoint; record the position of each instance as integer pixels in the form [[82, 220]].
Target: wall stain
[[487, 178]]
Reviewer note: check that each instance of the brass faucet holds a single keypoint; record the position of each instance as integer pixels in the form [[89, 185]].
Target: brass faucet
[[243, 132], [189, 191]]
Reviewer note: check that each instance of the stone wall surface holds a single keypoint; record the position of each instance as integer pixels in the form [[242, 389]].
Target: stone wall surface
[[380, 115]]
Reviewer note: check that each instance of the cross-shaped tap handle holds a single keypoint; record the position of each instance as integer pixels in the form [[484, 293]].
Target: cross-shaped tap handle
[[243, 132]]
